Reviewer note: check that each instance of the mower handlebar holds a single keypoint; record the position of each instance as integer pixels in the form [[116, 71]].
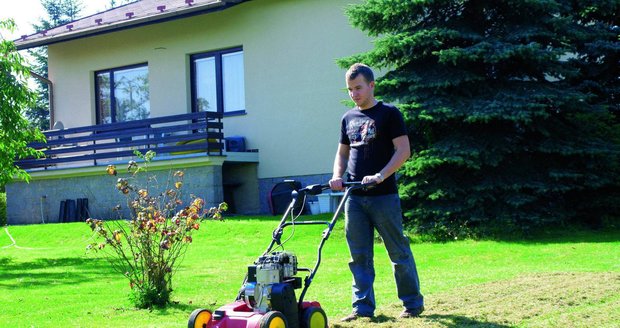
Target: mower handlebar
[[317, 189]]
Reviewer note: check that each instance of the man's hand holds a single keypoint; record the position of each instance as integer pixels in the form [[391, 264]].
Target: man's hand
[[375, 179], [336, 184]]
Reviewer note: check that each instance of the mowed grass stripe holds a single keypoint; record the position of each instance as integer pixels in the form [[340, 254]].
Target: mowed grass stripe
[[562, 299]]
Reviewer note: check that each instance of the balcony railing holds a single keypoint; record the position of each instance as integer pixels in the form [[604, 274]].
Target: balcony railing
[[176, 135]]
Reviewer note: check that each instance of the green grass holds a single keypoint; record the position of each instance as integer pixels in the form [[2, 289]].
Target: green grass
[[570, 278]]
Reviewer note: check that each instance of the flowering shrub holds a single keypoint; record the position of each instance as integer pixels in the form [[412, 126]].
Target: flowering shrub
[[148, 247]]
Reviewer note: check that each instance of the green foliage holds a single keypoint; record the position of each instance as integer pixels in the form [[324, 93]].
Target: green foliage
[[513, 108], [15, 97], [2, 209], [148, 248]]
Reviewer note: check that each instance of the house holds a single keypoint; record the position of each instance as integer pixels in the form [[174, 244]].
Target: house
[[121, 78]]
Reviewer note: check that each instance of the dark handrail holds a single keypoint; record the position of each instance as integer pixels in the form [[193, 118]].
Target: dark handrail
[[176, 134]]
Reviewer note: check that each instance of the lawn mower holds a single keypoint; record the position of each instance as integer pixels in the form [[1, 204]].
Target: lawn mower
[[267, 296]]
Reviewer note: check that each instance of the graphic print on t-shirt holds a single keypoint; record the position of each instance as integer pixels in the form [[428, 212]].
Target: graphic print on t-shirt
[[361, 131]]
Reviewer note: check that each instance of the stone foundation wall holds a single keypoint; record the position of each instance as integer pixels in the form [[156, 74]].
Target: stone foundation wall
[[39, 201]]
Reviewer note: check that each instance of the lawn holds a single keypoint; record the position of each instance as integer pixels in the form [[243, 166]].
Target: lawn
[[563, 279]]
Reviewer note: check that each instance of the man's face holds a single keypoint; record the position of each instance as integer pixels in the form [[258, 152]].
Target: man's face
[[361, 91]]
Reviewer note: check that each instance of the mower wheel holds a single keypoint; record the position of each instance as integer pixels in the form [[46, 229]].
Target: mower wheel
[[199, 319], [313, 317], [273, 319]]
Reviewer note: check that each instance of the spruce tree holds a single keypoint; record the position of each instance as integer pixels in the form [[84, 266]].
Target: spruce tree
[[512, 108]]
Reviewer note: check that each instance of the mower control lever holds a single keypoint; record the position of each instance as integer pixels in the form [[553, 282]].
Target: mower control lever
[[315, 189], [358, 185]]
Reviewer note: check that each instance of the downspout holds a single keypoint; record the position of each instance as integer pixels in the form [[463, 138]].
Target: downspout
[[50, 91]]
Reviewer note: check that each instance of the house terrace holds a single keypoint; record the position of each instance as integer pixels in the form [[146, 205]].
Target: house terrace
[[73, 166], [99, 144]]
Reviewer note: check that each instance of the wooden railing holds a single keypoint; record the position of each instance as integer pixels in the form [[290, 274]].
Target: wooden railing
[[172, 135]]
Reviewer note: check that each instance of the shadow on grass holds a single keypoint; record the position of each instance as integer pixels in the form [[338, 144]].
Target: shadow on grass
[[555, 235], [435, 320], [566, 235], [382, 318], [454, 321], [52, 271], [444, 320], [174, 306]]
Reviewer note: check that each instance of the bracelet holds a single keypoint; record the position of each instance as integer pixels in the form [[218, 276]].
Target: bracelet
[[380, 176]]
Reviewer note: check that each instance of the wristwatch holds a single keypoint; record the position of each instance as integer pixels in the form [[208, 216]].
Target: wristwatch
[[380, 176]]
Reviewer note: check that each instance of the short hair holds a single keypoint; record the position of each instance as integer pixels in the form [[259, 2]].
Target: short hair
[[359, 68]]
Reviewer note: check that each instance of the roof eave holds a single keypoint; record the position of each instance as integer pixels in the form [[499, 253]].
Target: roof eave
[[123, 25]]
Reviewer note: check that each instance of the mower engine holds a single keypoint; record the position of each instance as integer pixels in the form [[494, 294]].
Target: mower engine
[[271, 283]]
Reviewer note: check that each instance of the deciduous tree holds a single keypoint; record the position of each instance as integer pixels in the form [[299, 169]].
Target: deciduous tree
[[15, 97]]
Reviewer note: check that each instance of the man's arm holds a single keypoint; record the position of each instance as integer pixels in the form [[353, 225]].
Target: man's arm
[[340, 166], [401, 155]]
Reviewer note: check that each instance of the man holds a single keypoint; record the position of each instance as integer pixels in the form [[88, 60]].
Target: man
[[373, 146]]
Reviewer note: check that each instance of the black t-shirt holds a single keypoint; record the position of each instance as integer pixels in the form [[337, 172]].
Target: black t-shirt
[[369, 133]]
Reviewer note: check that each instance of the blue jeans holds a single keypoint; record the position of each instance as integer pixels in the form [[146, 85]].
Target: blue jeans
[[363, 215]]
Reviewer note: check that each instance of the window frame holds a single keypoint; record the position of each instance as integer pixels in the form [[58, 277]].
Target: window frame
[[219, 79], [112, 97]]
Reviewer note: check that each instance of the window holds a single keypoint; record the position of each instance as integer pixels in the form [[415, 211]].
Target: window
[[122, 94], [218, 82]]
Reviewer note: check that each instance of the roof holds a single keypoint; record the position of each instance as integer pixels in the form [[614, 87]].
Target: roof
[[138, 13]]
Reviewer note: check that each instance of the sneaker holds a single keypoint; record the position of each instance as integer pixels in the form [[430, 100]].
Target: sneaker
[[412, 313], [354, 316]]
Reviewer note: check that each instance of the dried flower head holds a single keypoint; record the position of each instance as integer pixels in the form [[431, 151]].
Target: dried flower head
[[111, 170]]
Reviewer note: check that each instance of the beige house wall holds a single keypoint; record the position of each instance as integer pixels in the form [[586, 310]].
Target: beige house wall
[[293, 86]]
